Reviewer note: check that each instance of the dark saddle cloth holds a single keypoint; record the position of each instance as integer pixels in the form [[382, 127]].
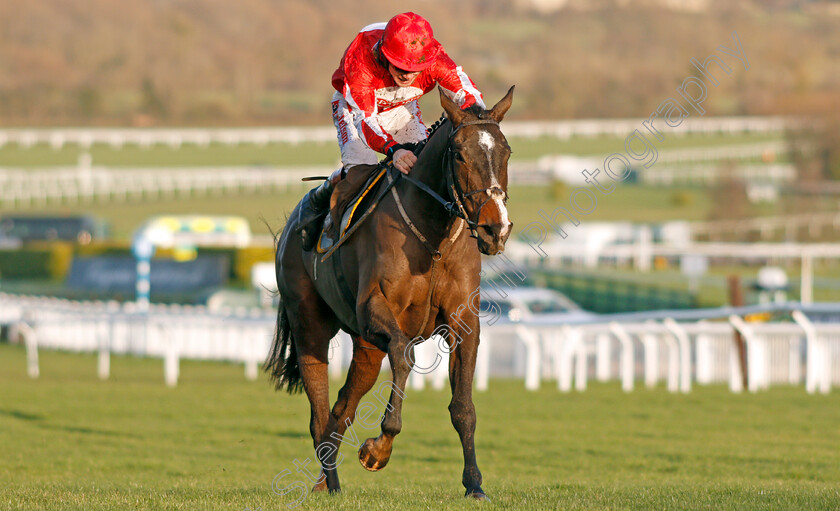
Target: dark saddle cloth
[[350, 200], [358, 187]]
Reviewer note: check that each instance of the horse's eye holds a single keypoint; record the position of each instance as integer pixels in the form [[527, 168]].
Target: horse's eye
[[459, 157]]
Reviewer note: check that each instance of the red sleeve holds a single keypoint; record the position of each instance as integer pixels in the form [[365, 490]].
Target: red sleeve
[[454, 80], [360, 93]]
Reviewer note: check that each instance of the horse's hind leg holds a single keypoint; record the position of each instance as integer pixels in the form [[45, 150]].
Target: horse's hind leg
[[363, 372], [313, 325]]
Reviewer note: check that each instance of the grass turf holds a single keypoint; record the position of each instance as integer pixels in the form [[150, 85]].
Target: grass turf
[[69, 441], [322, 153], [625, 203]]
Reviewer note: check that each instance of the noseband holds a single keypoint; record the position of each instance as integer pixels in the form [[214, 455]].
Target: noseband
[[456, 195]]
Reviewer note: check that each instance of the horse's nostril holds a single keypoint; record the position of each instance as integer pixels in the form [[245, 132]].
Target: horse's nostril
[[495, 229], [487, 230]]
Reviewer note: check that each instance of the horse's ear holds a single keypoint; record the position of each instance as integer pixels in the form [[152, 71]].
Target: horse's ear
[[498, 112], [453, 111]]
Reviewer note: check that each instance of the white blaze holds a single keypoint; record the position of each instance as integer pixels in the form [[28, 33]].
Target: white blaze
[[505, 222], [485, 140]]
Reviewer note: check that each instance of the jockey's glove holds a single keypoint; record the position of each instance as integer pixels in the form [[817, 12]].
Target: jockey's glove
[[407, 146]]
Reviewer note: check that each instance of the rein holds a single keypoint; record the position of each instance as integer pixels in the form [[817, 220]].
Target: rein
[[436, 254], [454, 206]]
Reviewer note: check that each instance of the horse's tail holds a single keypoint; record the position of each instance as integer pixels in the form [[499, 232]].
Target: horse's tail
[[282, 362]]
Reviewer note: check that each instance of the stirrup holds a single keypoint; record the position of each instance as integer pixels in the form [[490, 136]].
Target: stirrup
[[309, 234], [314, 207]]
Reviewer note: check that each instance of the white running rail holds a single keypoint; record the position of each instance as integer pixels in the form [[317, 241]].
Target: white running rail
[[680, 349], [175, 137]]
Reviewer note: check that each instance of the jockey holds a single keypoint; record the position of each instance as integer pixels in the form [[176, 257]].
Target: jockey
[[382, 74]]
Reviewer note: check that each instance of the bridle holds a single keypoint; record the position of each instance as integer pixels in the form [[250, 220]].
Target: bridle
[[454, 206], [456, 195]]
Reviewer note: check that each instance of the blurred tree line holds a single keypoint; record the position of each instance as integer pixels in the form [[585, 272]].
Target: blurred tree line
[[190, 62]]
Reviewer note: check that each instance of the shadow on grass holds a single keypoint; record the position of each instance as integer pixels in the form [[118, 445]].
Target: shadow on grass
[[17, 414], [88, 431]]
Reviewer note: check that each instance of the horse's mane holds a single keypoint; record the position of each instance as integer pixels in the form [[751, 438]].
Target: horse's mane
[[473, 109], [434, 127], [476, 110]]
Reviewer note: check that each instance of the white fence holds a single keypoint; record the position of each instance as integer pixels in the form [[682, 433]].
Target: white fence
[[20, 187], [679, 354], [789, 226], [168, 332], [116, 137], [650, 347], [31, 187], [711, 174], [642, 251], [69, 185], [693, 165]]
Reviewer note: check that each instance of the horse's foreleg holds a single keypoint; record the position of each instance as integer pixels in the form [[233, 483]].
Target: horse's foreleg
[[462, 410], [363, 372], [382, 328]]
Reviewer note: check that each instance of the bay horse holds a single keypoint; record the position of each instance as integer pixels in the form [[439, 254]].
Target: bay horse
[[409, 269]]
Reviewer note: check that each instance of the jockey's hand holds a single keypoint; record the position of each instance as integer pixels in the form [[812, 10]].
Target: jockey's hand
[[403, 160]]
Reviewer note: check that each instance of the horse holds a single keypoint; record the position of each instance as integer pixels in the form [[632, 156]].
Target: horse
[[409, 269]]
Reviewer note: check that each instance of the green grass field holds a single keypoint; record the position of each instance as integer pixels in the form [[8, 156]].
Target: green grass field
[[712, 288], [626, 203], [311, 153], [69, 441]]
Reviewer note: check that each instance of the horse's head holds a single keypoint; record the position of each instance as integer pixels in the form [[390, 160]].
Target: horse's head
[[478, 158]]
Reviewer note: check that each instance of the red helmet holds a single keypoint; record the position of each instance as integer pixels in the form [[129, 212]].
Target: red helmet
[[408, 42]]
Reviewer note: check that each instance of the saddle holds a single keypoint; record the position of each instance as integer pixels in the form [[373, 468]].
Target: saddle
[[350, 192]]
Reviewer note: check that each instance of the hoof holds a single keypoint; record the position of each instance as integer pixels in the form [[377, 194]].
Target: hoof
[[477, 495], [322, 486], [368, 459]]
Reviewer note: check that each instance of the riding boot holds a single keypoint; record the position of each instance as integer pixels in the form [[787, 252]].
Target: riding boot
[[314, 207]]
